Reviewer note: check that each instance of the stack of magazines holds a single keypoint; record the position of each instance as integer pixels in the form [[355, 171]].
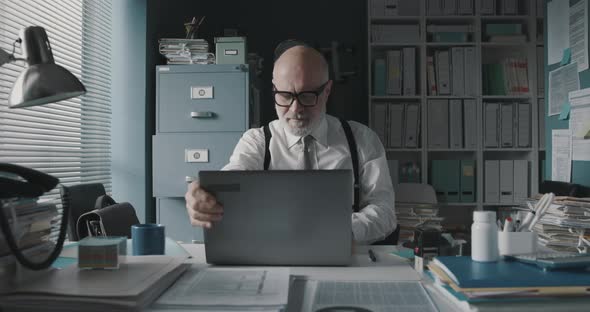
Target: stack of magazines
[[566, 224], [410, 216], [186, 51]]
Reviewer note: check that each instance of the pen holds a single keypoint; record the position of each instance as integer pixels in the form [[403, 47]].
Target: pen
[[372, 255], [508, 225]]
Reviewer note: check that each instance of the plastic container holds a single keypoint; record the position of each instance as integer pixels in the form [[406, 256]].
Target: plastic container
[[515, 243], [484, 237]]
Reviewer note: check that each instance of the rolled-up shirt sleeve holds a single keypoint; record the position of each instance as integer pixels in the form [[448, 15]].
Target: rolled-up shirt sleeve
[[376, 218]]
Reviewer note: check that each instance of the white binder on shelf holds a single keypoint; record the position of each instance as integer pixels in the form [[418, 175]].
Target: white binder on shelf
[[458, 71], [521, 180], [380, 121], [434, 7], [465, 7], [492, 181], [506, 124], [509, 7], [470, 123], [396, 125], [470, 71], [394, 72], [409, 71], [491, 124], [488, 7], [506, 181], [456, 123], [431, 76], [449, 7], [541, 123], [443, 72], [412, 129], [524, 125], [438, 124]]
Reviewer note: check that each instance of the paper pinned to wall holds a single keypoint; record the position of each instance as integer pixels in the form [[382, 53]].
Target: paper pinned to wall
[[561, 155], [580, 124], [578, 33], [557, 26], [562, 81]]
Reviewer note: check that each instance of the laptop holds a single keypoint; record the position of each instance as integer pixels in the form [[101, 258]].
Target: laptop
[[280, 217]]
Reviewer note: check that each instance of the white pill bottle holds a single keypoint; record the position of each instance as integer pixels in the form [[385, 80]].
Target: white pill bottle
[[484, 237]]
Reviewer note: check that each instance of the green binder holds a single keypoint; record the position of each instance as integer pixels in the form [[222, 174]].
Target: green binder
[[467, 181], [445, 180]]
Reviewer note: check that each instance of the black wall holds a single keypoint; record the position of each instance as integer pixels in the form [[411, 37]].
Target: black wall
[[265, 23]]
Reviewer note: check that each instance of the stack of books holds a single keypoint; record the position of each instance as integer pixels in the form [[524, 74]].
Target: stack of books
[[410, 216], [485, 284], [565, 225], [186, 51]]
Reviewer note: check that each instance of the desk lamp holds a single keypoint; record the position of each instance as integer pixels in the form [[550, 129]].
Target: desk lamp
[[42, 82]]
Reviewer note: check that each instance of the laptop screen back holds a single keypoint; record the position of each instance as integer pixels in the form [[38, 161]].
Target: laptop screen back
[[280, 217]]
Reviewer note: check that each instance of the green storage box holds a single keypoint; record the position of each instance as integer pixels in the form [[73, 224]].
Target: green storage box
[[230, 50]]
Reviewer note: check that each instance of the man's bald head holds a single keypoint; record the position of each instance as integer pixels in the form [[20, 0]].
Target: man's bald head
[[304, 62]]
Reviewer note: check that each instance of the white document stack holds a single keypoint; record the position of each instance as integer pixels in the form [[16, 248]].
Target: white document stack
[[133, 287], [205, 288], [186, 51], [565, 223], [410, 216]]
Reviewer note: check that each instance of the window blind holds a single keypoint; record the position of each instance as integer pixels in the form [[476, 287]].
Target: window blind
[[69, 139]]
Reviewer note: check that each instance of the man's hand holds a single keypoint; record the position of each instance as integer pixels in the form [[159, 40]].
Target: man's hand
[[202, 207]]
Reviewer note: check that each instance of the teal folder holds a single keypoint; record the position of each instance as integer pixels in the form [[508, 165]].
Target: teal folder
[[452, 180], [472, 274], [467, 181], [379, 77], [437, 180]]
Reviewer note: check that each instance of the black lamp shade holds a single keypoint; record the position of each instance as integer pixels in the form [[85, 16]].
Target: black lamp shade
[[43, 81]]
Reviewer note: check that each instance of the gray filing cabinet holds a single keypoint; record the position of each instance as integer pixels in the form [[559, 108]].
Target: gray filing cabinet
[[201, 113]]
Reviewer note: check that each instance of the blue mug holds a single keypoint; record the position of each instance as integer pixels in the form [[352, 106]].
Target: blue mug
[[148, 239]]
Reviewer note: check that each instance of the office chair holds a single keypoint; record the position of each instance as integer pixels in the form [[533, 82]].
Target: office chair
[[415, 193], [80, 199]]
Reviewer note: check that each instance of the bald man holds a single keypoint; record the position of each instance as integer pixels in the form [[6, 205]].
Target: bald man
[[301, 87]]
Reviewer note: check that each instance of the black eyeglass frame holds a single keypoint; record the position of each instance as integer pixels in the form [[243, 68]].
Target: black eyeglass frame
[[294, 95]]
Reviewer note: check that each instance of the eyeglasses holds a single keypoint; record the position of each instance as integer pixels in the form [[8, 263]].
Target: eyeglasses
[[305, 98]]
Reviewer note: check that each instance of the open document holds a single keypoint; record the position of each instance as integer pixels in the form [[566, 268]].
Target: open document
[[228, 288], [377, 296]]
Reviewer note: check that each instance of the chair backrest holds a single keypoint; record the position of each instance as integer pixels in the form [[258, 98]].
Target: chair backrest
[[80, 198], [415, 193]]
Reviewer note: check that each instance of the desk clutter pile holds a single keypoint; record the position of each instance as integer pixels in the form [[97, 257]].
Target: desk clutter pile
[[483, 284], [32, 221], [186, 51], [411, 216], [566, 225]]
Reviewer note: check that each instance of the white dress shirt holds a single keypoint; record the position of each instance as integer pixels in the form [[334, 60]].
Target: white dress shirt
[[376, 219]]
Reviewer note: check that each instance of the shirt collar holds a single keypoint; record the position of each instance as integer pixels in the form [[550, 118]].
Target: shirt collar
[[320, 134]]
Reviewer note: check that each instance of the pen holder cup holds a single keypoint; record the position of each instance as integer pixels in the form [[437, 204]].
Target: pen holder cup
[[514, 243]]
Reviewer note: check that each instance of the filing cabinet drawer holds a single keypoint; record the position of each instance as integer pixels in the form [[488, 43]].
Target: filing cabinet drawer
[[202, 101], [172, 213], [177, 157]]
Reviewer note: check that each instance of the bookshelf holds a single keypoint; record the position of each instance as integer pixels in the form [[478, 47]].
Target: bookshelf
[[530, 19]]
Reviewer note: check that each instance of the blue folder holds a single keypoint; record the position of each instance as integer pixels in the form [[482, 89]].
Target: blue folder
[[471, 274]]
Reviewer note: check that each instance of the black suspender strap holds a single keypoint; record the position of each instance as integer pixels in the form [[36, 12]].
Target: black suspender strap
[[355, 162], [267, 136]]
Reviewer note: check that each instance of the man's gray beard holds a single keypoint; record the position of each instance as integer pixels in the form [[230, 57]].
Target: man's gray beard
[[301, 131]]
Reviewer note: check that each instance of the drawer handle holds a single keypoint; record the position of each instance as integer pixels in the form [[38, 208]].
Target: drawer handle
[[202, 114], [190, 179]]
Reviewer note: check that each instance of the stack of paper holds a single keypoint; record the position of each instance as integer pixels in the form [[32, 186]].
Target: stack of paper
[[186, 51], [410, 216], [135, 285], [228, 289], [565, 224], [32, 222], [465, 281]]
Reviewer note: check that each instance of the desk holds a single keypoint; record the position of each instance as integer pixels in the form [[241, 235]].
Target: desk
[[387, 267]]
